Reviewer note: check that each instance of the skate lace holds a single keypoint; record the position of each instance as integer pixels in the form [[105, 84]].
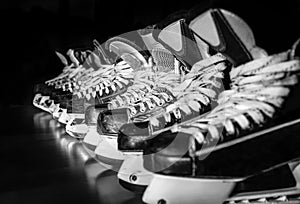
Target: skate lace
[[107, 81], [196, 91], [81, 69], [94, 68], [152, 100], [138, 90], [150, 91], [144, 93], [258, 89], [158, 93], [70, 74]]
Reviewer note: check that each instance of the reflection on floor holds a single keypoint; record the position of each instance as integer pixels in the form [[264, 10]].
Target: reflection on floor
[[100, 180]]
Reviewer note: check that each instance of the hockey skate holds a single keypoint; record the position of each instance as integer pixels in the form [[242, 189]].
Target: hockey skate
[[62, 84], [114, 82], [141, 84], [252, 131], [73, 105], [133, 136], [152, 99]]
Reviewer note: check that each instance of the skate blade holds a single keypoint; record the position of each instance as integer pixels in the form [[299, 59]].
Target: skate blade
[[177, 190], [92, 138], [109, 163], [273, 193], [64, 117], [264, 194], [132, 171], [89, 150], [78, 131], [108, 148]]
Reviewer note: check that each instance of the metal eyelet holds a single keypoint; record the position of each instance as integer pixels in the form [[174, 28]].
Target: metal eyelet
[[161, 103], [161, 201], [133, 178]]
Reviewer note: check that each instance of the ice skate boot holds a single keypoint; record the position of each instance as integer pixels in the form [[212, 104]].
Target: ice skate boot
[[62, 84], [83, 92], [114, 81], [59, 92], [122, 79], [252, 130], [190, 104], [139, 99]]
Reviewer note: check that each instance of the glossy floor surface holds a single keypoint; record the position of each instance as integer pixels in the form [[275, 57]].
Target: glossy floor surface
[[40, 163]]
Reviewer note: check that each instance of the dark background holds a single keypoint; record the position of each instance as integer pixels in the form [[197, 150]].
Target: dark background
[[39, 162], [31, 30]]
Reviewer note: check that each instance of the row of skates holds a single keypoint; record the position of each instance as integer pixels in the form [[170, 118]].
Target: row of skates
[[189, 110]]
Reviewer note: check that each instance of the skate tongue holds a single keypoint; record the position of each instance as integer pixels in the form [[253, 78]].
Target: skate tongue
[[101, 53], [128, 51], [295, 52], [179, 39], [225, 33], [163, 58], [150, 42]]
